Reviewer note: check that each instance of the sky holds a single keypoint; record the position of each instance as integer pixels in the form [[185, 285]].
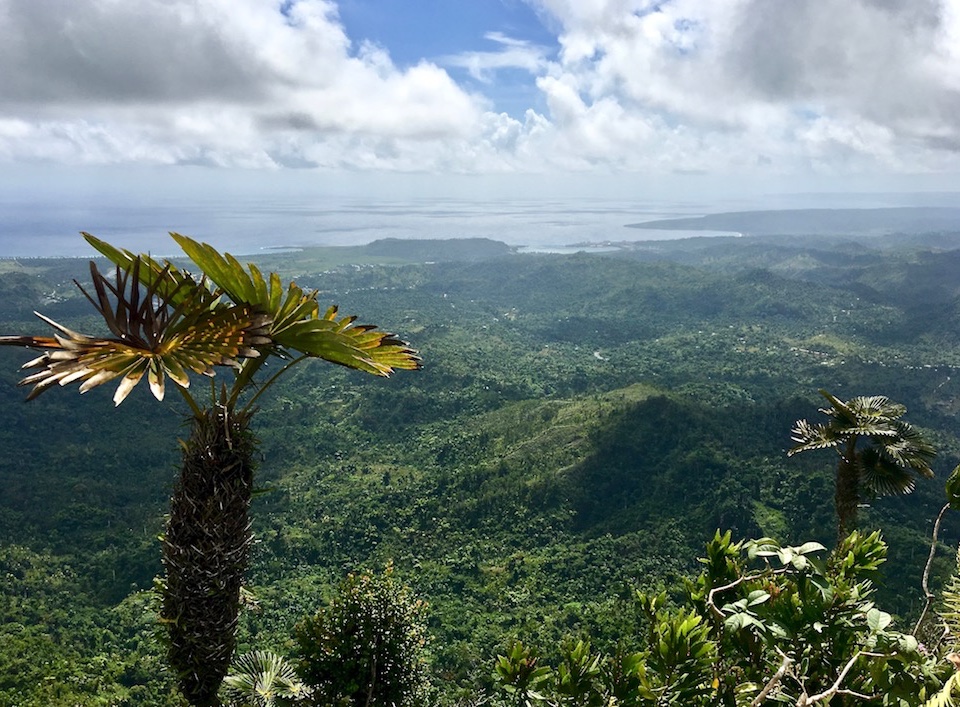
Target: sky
[[483, 95]]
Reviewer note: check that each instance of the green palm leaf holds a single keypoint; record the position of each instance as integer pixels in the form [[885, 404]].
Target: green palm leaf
[[876, 407], [174, 285], [227, 273], [166, 324], [251, 287], [348, 344], [295, 320], [908, 448], [808, 436], [260, 678], [882, 476]]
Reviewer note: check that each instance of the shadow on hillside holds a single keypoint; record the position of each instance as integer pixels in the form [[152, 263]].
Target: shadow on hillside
[[667, 458]]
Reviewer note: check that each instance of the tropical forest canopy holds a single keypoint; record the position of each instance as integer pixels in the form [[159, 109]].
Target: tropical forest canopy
[[582, 425]]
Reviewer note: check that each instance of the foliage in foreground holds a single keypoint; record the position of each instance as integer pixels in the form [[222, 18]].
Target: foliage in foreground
[[762, 623], [262, 679]]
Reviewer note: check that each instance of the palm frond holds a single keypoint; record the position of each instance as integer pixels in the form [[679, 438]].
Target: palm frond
[[151, 336], [877, 407], [838, 408], [349, 344], [226, 272], [908, 447], [169, 282], [296, 323], [251, 288], [165, 324], [259, 678], [945, 698], [883, 476], [813, 436]]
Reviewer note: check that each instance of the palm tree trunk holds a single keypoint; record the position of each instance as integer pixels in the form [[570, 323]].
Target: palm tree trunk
[[206, 550], [847, 490]]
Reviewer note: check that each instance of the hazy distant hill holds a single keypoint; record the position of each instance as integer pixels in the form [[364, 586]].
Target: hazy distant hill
[[819, 221], [438, 250]]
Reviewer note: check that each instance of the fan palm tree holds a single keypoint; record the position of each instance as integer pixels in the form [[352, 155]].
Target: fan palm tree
[[879, 453], [263, 679], [166, 324]]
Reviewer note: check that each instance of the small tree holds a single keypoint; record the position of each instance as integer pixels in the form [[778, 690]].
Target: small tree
[[879, 453], [366, 648], [520, 674]]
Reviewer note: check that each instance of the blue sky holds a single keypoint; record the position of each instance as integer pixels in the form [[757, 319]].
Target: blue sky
[[442, 30], [670, 95], [432, 29]]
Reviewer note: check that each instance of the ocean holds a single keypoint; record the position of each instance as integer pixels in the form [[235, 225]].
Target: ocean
[[34, 227]]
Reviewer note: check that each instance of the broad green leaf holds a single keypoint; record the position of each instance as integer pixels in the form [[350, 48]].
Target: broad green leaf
[[356, 347], [168, 281], [809, 547], [785, 555], [953, 489], [737, 622], [908, 644], [224, 270], [764, 547], [878, 620]]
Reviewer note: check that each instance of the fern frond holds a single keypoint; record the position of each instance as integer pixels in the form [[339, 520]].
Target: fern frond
[[950, 608], [945, 698]]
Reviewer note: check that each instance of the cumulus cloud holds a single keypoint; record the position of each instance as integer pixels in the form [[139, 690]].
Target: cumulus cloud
[[637, 85], [873, 82], [223, 81]]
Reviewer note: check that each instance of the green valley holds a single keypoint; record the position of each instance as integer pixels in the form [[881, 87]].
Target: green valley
[[582, 426]]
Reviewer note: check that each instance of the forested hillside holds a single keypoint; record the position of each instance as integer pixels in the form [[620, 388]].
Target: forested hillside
[[581, 427]]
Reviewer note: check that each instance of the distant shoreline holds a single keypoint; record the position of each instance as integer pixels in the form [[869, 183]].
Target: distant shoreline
[[556, 231], [905, 219]]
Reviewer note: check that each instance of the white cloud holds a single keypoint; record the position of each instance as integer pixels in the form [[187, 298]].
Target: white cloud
[[223, 81], [865, 83], [513, 54], [712, 86]]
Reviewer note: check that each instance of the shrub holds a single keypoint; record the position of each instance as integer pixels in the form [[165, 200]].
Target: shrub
[[367, 647]]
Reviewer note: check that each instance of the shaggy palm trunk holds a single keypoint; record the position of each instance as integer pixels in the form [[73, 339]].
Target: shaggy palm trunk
[[847, 491], [206, 550]]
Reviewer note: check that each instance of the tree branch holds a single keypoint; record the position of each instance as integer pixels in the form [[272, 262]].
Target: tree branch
[[774, 681], [926, 570], [740, 580], [835, 689]]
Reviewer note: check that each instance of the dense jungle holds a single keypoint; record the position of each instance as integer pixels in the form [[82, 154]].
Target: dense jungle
[[582, 426]]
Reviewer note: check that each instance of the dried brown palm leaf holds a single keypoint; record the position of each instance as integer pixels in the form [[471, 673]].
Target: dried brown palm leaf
[[151, 336]]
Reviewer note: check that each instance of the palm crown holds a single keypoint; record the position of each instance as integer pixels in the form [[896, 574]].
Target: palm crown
[[165, 323], [895, 455]]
